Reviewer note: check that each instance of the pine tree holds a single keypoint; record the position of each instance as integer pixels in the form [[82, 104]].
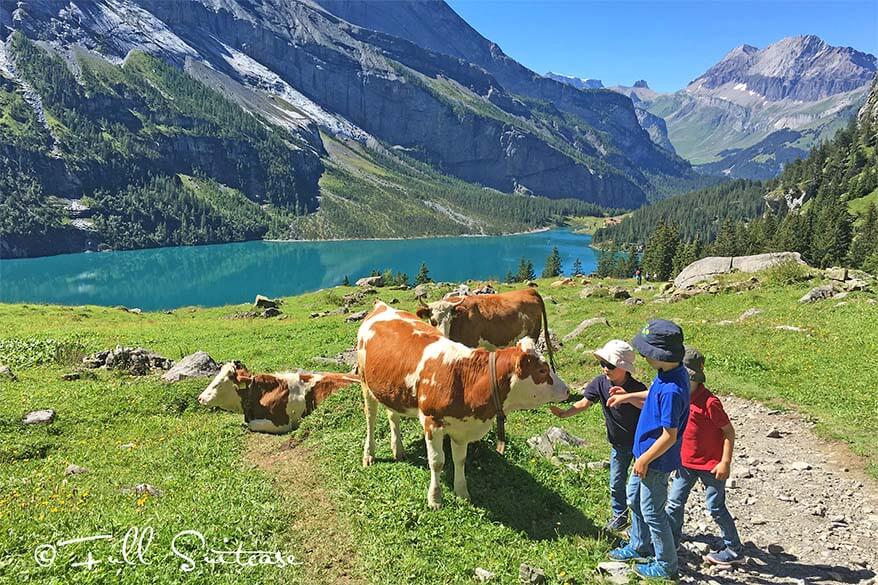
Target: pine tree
[[866, 242], [423, 275], [577, 268], [525, 270], [553, 264], [658, 255], [346, 281]]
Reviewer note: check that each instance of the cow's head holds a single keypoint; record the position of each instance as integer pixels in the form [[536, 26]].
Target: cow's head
[[440, 314], [222, 392], [532, 383]]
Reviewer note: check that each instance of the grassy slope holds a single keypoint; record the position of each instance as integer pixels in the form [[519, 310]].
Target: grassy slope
[[524, 510]]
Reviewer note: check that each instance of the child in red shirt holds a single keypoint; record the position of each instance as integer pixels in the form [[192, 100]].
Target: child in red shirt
[[706, 454]]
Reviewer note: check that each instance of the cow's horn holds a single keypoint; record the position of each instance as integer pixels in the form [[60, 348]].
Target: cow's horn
[[421, 301]]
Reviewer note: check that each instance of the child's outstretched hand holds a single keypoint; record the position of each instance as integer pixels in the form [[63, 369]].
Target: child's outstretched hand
[[557, 411], [617, 396], [721, 471]]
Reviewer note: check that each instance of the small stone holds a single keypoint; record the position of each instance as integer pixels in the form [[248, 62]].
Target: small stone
[[70, 376], [732, 484], [127, 446], [633, 301], [558, 435], [593, 465], [800, 466], [542, 445], [818, 510], [143, 489], [614, 572], [358, 316], [483, 575], [790, 328], [270, 312], [758, 521], [39, 417], [75, 470], [528, 575], [6, 372], [774, 549], [838, 519], [749, 313], [773, 434]]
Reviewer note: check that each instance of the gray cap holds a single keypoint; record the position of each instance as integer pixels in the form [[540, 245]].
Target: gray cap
[[694, 362]]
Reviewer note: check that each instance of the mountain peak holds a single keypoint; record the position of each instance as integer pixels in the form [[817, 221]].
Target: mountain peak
[[801, 68], [577, 82], [641, 83]]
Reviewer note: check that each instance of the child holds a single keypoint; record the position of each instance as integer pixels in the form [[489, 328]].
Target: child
[[657, 442], [617, 362], [706, 455]]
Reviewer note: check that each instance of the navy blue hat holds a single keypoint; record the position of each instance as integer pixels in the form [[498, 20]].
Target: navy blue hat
[[660, 340]]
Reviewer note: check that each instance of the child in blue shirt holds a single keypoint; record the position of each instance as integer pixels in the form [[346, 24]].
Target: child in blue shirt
[[657, 443]]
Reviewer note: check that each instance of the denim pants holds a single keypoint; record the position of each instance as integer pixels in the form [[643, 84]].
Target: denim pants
[[715, 500], [620, 462], [650, 526]]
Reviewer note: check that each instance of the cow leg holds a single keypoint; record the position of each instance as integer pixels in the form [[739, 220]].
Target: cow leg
[[458, 455], [434, 438], [370, 408], [395, 436]]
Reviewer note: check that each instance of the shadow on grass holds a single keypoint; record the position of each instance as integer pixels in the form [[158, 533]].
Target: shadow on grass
[[509, 494]]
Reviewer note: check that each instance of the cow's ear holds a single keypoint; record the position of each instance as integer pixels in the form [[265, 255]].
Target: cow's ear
[[423, 313], [524, 364]]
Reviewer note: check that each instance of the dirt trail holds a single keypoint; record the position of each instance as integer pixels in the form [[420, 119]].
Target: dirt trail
[[320, 531], [805, 510]]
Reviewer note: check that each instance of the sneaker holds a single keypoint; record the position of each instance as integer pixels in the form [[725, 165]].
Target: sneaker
[[653, 570], [617, 524], [625, 553], [727, 556]]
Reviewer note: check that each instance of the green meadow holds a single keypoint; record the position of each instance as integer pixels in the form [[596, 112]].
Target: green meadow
[[306, 495]]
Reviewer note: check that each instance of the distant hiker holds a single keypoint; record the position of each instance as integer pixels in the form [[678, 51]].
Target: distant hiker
[[708, 442], [657, 443], [617, 364], [655, 276], [639, 276]]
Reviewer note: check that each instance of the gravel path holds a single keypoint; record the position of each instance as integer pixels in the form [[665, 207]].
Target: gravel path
[[805, 510]]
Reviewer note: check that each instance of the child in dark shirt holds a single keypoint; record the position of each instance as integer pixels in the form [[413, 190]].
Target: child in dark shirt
[[617, 362], [706, 454]]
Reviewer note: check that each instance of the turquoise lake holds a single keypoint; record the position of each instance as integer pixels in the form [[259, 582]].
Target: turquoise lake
[[209, 276]]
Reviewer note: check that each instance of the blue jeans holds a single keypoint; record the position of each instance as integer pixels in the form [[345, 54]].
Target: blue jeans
[[620, 461], [715, 500], [650, 525]]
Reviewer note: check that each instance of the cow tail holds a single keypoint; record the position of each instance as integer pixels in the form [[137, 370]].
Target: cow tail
[[546, 334]]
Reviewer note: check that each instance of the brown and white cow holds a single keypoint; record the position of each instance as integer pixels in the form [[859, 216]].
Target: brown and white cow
[[271, 403], [498, 320], [413, 370]]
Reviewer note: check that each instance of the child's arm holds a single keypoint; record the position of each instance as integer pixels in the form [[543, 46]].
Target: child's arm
[[618, 397], [721, 469], [662, 444], [579, 406]]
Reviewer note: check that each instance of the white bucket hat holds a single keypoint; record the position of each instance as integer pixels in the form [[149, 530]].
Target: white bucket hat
[[618, 353]]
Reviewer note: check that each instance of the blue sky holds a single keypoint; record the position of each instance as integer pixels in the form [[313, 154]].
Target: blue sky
[[667, 43]]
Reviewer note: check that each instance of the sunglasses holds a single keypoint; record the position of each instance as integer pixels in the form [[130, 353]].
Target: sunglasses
[[607, 365]]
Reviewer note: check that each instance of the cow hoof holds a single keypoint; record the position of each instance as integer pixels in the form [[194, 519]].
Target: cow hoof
[[434, 505], [368, 460], [399, 456], [464, 494]]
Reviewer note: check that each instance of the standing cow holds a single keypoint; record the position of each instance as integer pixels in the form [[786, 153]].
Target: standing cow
[[410, 368], [496, 319], [271, 403]]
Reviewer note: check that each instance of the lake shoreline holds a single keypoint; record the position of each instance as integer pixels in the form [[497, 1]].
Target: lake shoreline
[[400, 239]]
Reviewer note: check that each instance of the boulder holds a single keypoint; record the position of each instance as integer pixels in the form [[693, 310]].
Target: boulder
[[7, 373], [358, 316], [707, 268], [542, 445], [836, 273], [270, 312], [136, 360], [39, 417], [633, 301], [195, 365], [619, 293], [422, 290], [855, 284], [371, 281], [585, 325], [557, 435], [818, 293], [593, 291], [263, 302]]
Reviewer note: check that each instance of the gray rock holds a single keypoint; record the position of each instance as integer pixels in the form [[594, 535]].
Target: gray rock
[[633, 301], [75, 470], [542, 445], [773, 434], [422, 290], [585, 325], [371, 281], [774, 549], [39, 417], [263, 302], [483, 575], [707, 268], [619, 293], [800, 466], [558, 435], [136, 361], [358, 316], [556, 343], [594, 465], [615, 572], [749, 313], [855, 284], [6, 372], [818, 293], [528, 575], [142, 489], [270, 312], [790, 328], [194, 365], [836, 273]]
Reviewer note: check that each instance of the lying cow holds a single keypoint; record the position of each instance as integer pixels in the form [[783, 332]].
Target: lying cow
[[271, 403], [410, 368], [497, 319]]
